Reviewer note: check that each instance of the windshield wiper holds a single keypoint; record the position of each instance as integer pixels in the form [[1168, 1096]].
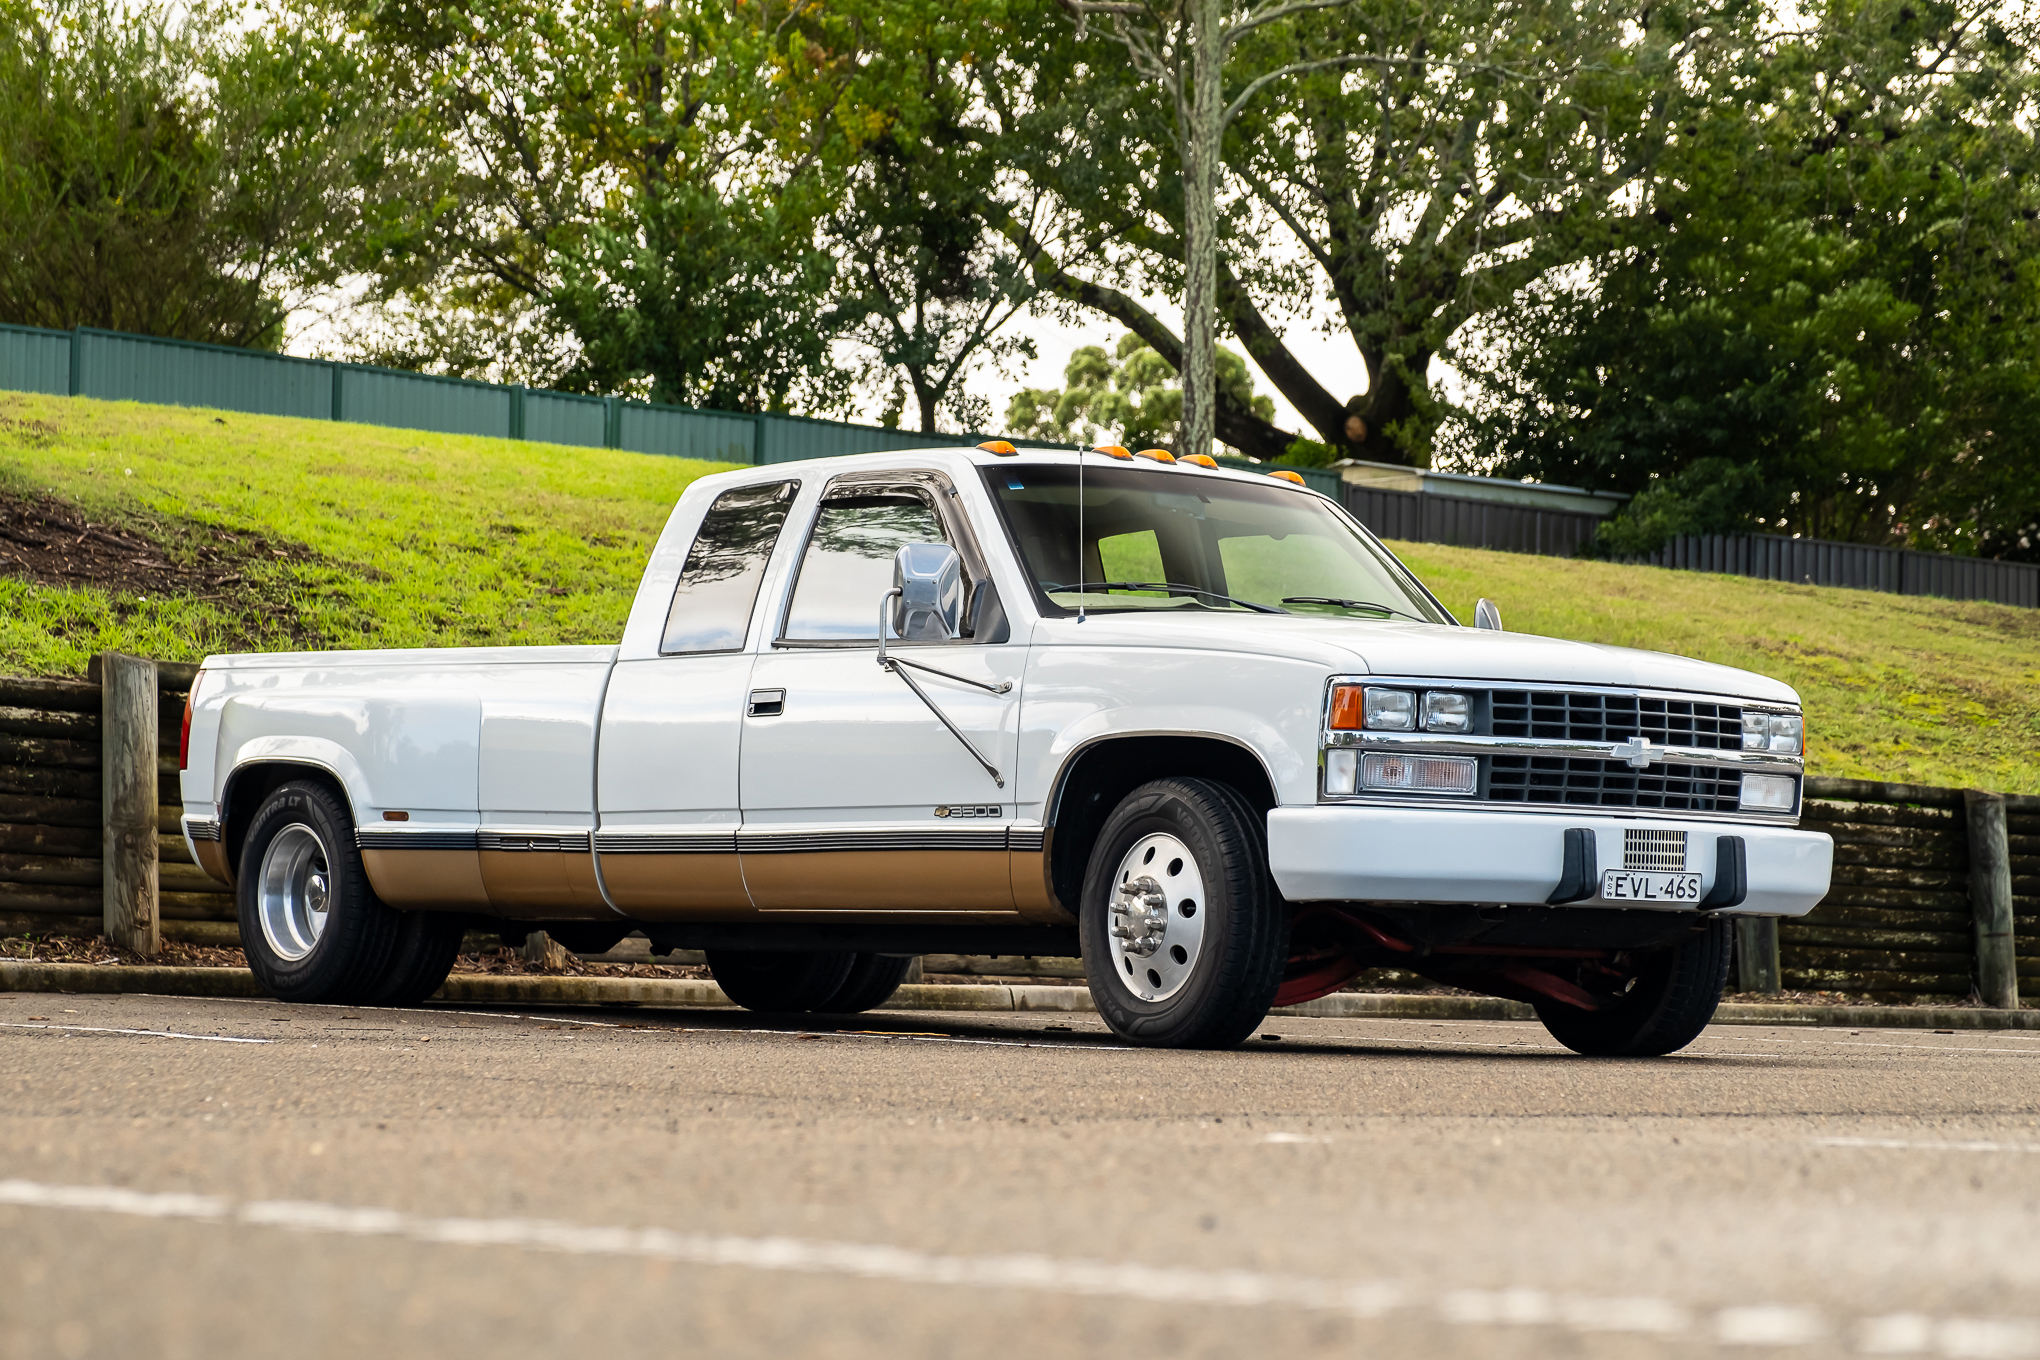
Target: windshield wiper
[[1350, 604], [1170, 586]]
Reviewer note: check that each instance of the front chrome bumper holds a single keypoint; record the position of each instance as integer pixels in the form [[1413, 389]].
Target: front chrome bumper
[[1354, 853]]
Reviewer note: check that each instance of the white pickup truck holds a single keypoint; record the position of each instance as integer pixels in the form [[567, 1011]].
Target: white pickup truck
[[1198, 726]]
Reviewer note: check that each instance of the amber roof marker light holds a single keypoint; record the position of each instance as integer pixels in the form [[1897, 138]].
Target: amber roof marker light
[[1111, 450], [1159, 455], [1288, 476], [1203, 460], [1000, 447]]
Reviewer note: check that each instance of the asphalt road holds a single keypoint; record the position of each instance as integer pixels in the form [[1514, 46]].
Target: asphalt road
[[381, 1183]]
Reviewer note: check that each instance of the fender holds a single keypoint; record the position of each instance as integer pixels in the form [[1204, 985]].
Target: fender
[[428, 744]]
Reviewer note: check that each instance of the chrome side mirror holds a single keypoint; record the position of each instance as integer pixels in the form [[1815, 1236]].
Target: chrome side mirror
[[927, 593], [1485, 615]]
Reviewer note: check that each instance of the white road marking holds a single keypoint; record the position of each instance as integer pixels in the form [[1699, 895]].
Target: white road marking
[[1297, 1138], [1923, 1145], [1755, 1325], [1769, 1324], [148, 1033], [1917, 1334]]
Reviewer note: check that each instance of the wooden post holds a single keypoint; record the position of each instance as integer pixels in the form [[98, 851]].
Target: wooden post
[[1990, 899], [1756, 955], [127, 736]]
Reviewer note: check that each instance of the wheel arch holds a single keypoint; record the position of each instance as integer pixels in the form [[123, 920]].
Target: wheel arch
[[249, 784], [1097, 775]]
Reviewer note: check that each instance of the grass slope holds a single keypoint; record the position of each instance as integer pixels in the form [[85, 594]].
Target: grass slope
[[415, 539]]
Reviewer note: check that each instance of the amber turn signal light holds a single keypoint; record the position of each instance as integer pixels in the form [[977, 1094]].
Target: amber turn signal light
[[1347, 708]]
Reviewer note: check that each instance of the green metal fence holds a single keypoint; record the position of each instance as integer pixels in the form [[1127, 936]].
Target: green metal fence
[[117, 367]]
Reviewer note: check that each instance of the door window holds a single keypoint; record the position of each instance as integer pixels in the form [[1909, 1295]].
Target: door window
[[718, 587], [848, 565]]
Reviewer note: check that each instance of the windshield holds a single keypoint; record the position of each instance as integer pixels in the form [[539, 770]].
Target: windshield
[[1164, 540]]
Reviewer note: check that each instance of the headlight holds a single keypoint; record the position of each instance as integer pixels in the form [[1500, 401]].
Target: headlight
[[1767, 792], [1391, 710], [1444, 712], [1779, 733]]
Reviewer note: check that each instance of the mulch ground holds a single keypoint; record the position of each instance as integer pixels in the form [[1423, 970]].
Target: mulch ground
[[52, 542]]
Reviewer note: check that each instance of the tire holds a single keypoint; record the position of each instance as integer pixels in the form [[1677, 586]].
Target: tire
[[1674, 997], [873, 978], [780, 982], [426, 946], [1207, 933], [299, 855]]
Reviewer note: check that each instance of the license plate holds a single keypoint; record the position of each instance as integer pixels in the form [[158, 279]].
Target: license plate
[[1627, 885]]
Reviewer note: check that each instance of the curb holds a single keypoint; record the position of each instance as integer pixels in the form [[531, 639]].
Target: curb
[[484, 989]]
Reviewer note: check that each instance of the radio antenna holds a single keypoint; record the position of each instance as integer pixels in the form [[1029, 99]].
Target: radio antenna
[[1080, 536]]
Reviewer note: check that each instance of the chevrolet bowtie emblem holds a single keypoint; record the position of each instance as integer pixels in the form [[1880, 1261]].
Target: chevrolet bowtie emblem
[[1638, 752]]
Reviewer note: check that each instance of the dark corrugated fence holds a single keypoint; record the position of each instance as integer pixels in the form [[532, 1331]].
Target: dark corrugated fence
[[1462, 522], [1857, 566]]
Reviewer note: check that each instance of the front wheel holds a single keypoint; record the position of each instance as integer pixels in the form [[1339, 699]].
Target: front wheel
[[311, 926], [1184, 934], [1666, 1004]]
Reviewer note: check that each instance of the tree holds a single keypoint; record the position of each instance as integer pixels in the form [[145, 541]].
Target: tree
[[637, 184], [926, 287], [1835, 330], [1132, 396], [176, 176], [1413, 164]]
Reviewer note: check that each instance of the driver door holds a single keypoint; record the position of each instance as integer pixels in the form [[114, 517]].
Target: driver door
[[857, 800]]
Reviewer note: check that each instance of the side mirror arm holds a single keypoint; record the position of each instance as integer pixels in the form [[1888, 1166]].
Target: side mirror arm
[[899, 666]]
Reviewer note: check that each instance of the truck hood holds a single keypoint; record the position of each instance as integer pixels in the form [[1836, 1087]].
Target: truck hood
[[1419, 650]]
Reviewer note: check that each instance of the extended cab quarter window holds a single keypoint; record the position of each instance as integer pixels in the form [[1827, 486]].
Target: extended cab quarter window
[[719, 585], [848, 566]]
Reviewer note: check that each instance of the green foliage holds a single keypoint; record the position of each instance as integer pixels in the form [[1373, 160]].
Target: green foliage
[[924, 287], [1132, 395], [1310, 453], [630, 192], [176, 176], [1834, 328]]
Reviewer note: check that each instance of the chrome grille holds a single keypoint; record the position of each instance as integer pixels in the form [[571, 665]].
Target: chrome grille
[[1565, 715], [1612, 783], [1654, 851]]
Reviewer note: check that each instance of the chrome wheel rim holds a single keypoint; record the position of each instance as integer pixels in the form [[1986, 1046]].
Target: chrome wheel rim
[[1157, 917], [294, 892]]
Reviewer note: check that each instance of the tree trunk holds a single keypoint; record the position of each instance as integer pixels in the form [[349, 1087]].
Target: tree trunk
[[1325, 412], [1200, 142], [1389, 400]]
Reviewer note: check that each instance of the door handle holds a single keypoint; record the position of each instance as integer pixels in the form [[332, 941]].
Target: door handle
[[767, 703]]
